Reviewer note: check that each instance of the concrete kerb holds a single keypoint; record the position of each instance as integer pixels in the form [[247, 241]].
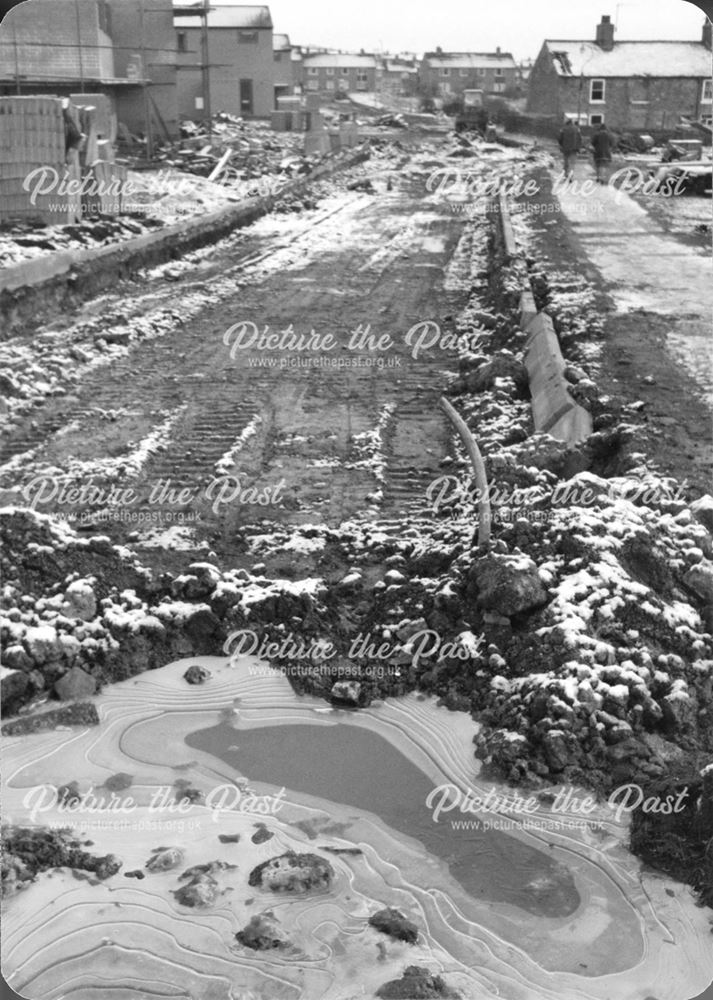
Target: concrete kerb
[[508, 233], [554, 411], [528, 309], [35, 289]]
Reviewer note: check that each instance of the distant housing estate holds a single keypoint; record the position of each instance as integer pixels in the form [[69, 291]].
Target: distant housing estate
[[161, 61]]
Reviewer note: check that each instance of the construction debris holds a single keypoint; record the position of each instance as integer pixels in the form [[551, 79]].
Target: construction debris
[[243, 150]]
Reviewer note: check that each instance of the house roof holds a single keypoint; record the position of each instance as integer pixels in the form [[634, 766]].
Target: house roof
[[470, 60], [575, 58], [340, 60], [221, 15], [393, 66], [280, 43]]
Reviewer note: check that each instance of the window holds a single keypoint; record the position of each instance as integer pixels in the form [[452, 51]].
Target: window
[[330, 70], [312, 71], [596, 119], [247, 37], [498, 87], [445, 72], [362, 75], [481, 71], [345, 71], [499, 71], [182, 41], [277, 56], [313, 85], [596, 91], [464, 72], [707, 92]]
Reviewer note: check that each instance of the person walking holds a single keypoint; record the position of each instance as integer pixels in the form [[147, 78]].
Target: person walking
[[602, 143], [570, 141]]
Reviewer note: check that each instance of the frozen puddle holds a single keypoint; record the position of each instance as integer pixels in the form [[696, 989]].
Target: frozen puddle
[[351, 780]]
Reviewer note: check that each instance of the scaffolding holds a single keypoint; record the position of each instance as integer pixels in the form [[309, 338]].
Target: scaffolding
[[11, 55]]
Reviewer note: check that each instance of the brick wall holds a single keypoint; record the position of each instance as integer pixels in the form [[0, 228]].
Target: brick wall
[[630, 103], [230, 62], [157, 60], [40, 39], [284, 74], [543, 91], [667, 98]]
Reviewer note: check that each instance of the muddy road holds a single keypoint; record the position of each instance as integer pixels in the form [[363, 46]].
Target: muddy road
[[292, 377]]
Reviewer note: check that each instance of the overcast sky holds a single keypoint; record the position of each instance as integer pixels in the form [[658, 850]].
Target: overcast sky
[[518, 26]]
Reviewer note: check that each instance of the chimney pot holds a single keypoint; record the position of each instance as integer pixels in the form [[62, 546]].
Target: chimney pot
[[706, 36]]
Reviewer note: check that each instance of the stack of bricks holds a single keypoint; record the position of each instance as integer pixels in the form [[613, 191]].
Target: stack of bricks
[[32, 137]]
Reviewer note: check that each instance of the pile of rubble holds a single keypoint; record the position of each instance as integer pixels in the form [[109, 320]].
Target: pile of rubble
[[23, 241], [234, 150], [208, 169]]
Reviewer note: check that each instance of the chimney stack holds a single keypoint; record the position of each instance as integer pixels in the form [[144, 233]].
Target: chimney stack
[[605, 34], [706, 37]]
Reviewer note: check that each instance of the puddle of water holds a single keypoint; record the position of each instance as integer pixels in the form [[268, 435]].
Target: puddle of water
[[360, 769]]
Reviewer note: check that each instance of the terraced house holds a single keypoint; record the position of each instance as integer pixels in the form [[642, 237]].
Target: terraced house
[[225, 55], [340, 72], [448, 74], [629, 85]]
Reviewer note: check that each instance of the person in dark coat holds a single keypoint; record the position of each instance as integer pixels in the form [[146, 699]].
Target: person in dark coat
[[602, 144], [570, 141]]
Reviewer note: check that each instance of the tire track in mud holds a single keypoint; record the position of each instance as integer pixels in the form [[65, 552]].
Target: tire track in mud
[[377, 264]]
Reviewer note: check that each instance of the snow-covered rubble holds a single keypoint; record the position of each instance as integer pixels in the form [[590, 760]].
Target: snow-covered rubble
[[600, 668]]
